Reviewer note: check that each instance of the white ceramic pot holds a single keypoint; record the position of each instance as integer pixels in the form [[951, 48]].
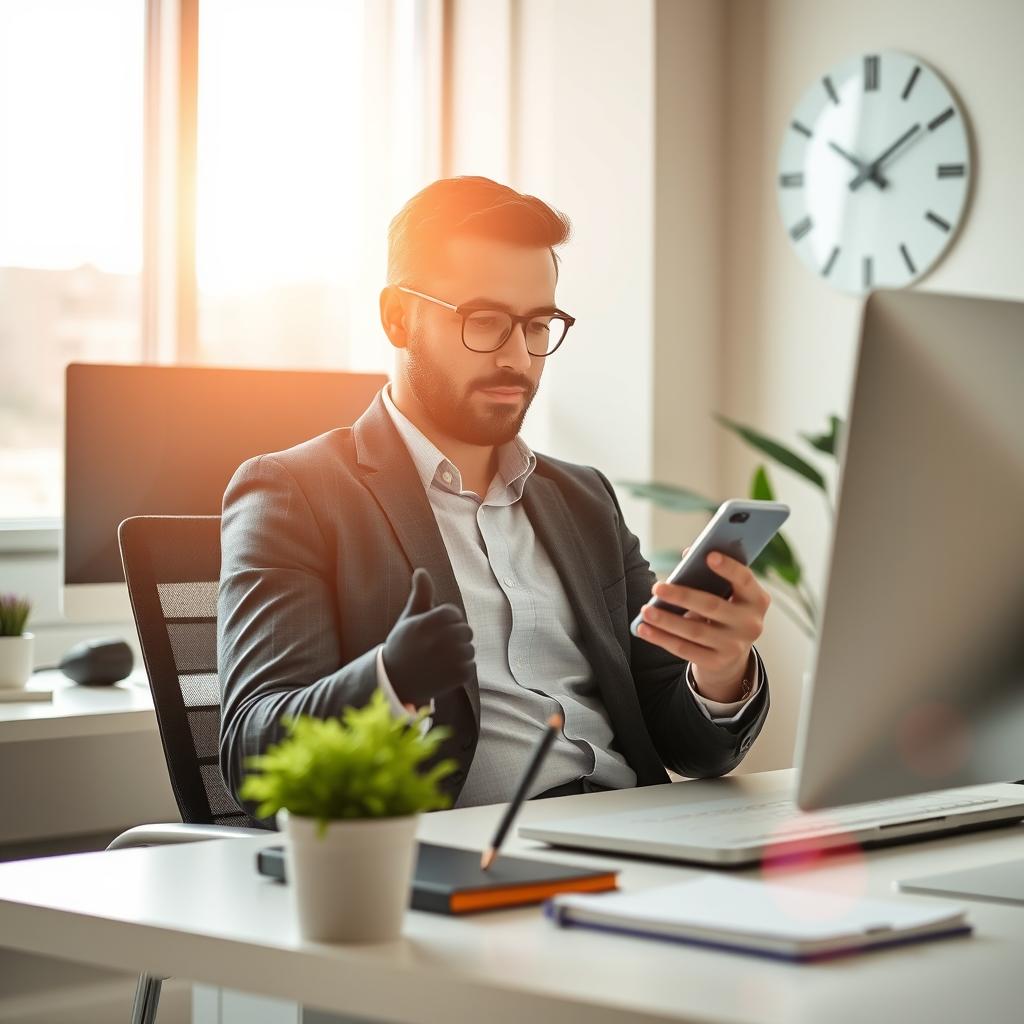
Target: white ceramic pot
[[351, 884], [15, 660]]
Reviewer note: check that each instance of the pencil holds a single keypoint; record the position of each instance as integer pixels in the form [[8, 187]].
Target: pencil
[[490, 855]]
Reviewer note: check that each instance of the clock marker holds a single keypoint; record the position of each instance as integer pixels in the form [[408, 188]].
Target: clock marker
[[870, 74], [830, 89], [941, 119], [867, 272], [830, 261], [906, 259], [937, 220], [910, 81], [799, 230], [792, 180], [802, 129], [951, 170]]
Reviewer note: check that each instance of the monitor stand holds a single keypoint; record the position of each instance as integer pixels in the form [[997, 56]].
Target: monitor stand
[[997, 883]]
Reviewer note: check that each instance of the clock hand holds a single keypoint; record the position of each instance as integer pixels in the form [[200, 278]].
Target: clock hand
[[873, 174], [875, 164]]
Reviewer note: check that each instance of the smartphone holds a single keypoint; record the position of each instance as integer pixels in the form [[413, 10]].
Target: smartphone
[[739, 529]]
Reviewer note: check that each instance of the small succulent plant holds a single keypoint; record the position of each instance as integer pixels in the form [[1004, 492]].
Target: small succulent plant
[[14, 613]]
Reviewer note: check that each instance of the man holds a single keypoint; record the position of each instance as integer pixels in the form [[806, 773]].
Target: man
[[428, 552]]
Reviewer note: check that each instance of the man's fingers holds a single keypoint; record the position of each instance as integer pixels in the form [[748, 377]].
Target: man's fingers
[[744, 583], [709, 606], [421, 597], [694, 629], [681, 648]]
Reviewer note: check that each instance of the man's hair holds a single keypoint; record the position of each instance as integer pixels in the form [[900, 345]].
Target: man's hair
[[472, 206]]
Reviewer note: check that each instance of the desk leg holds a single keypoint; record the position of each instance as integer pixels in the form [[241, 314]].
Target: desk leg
[[212, 1005]]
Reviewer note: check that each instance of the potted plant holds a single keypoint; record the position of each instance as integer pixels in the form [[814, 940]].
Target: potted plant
[[352, 789], [15, 643]]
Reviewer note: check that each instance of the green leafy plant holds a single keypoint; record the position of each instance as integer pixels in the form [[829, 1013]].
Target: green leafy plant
[[14, 613], [363, 764], [778, 565]]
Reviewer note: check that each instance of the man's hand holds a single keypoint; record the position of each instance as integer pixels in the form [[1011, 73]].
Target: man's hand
[[428, 651], [715, 635]]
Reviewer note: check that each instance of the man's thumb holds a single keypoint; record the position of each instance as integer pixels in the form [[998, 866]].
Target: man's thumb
[[421, 597]]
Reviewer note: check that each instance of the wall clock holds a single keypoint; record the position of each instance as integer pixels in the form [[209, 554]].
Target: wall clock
[[874, 172]]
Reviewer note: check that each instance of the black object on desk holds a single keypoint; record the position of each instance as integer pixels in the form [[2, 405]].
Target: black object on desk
[[449, 880], [100, 662]]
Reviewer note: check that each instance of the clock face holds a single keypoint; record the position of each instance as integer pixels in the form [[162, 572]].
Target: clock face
[[873, 172]]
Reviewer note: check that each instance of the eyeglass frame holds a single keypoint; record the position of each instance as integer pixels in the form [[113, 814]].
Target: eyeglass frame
[[468, 307]]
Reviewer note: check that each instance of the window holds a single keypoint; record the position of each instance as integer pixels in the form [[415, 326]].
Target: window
[[315, 120], [70, 220]]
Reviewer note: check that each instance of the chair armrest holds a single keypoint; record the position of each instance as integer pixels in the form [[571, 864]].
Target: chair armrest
[[176, 832]]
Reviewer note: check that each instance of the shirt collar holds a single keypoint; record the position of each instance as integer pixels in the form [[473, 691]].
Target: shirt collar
[[515, 459]]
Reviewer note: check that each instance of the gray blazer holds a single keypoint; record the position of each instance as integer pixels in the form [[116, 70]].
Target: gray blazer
[[318, 546]]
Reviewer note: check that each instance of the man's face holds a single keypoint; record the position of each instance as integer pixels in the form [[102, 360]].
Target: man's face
[[456, 386]]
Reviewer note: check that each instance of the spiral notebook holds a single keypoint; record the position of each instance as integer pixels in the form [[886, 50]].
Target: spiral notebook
[[761, 918]]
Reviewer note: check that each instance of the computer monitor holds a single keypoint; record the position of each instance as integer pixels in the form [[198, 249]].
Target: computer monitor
[[165, 440], [918, 678]]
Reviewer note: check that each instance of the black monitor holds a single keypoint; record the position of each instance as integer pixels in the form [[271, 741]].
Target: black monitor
[[165, 440]]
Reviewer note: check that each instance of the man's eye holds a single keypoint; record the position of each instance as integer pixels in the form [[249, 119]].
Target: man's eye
[[540, 326], [483, 321]]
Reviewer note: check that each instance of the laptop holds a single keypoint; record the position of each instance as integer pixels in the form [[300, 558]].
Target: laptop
[[912, 724]]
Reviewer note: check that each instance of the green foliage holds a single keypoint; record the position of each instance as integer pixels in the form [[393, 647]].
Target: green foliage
[[14, 613], [828, 442], [774, 450], [678, 499], [363, 764], [778, 565]]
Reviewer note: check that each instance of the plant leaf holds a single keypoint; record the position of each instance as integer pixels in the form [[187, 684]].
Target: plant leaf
[[677, 499], [760, 486], [778, 557], [827, 442], [774, 450]]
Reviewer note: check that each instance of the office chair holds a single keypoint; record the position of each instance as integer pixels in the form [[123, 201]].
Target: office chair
[[172, 566]]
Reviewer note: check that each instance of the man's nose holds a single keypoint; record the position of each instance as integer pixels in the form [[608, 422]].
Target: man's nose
[[514, 354]]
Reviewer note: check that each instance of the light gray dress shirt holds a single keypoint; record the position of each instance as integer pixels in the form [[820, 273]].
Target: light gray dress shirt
[[529, 657]]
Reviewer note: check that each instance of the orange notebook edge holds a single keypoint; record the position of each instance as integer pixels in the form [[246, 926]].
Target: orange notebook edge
[[537, 892]]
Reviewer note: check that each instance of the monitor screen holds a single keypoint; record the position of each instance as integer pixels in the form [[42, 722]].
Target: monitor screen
[[165, 440]]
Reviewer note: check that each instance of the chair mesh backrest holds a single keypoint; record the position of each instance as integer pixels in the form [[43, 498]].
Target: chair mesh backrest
[[172, 566]]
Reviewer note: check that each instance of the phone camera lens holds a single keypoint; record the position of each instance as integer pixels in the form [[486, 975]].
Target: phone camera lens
[[739, 517]]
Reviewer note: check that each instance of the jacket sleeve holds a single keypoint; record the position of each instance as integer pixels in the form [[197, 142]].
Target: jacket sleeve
[[687, 741], [277, 619]]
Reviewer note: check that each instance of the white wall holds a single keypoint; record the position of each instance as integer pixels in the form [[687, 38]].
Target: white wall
[[654, 124], [788, 339]]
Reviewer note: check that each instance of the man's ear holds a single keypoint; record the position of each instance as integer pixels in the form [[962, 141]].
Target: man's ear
[[393, 317]]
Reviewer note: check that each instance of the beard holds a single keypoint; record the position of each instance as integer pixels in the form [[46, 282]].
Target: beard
[[452, 411]]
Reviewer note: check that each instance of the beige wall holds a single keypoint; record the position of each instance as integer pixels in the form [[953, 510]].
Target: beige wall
[[789, 340], [655, 125]]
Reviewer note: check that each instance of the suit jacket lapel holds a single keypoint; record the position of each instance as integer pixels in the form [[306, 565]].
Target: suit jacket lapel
[[392, 479], [553, 523]]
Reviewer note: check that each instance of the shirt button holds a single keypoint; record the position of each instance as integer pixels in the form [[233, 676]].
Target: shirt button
[[447, 477], [509, 582]]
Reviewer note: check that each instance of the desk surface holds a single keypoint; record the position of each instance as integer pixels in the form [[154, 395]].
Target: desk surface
[[202, 912], [79, 710]]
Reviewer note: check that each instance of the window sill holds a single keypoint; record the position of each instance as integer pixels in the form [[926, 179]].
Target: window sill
[[30, 536]]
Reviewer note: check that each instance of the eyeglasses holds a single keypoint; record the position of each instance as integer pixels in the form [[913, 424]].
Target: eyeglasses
[[486, 330]]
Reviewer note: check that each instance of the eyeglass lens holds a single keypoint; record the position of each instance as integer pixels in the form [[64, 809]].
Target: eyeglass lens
[[486, 329]]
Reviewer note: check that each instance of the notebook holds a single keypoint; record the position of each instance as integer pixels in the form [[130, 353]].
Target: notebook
[[761, 918], [19, 696], [448, 880]]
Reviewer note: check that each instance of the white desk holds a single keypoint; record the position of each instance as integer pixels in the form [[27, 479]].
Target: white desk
[[87, 763], [77, 711], [201, 912]]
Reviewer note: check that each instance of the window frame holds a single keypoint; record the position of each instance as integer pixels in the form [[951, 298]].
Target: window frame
[[169, 293]]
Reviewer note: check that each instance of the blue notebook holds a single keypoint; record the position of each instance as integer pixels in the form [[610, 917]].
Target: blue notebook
[[769, 919]]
